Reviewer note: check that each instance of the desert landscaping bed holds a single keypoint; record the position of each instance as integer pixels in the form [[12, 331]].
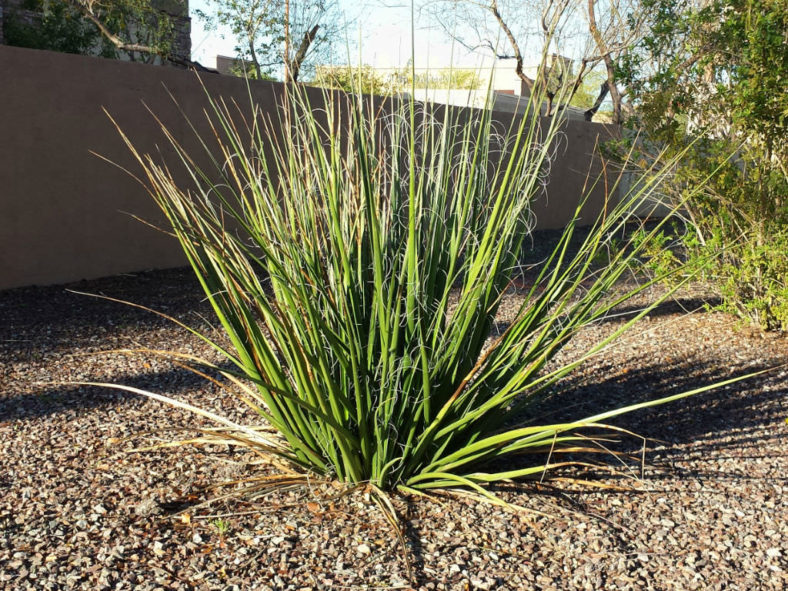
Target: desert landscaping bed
[[78, 510]]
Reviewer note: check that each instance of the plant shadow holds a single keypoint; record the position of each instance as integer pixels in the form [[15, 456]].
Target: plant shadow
[[735, 417], [49, 399]]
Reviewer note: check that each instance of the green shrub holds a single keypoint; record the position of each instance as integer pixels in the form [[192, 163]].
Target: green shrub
[[756, 284], [735, 235], [712, 76], [349, 78], [356, 254], [742, 230]]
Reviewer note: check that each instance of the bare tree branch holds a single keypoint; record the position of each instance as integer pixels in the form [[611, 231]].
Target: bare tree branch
[[610, 83], [518, 56], [300, 55], [87, 11], [603, 91], [287, 41]]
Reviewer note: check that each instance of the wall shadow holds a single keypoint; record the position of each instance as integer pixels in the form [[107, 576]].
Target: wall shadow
[[42, 319]]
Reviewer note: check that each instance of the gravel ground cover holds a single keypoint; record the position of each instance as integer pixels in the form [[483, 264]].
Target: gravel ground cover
[[706, 509]]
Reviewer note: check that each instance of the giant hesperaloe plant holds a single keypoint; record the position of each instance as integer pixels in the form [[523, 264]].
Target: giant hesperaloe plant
[[356, 253]]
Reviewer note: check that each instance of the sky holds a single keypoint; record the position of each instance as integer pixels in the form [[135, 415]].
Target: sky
[[384, 30]]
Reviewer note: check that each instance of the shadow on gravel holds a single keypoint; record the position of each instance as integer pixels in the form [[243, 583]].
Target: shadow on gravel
[[729, 416], [413, 536], [42, 318], [684, 305], [53, 399], [677, 306]]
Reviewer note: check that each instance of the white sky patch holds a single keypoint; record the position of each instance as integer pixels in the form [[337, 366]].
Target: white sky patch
[[384, 33]]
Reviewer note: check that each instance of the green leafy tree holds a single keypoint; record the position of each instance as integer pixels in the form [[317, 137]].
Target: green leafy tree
[[368, 81], [56, 26], [353, 79], [714, 67], [715, 74], [277, 35], [140, 30], [587, 92], [446, 78]]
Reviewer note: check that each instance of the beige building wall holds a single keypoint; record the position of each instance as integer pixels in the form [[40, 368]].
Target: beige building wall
[[66, 214]]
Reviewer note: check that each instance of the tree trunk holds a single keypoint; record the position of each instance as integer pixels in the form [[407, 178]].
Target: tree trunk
[[300, 56], [255, 62], [610, 83], [603, 90], [615, 94], [287, 41]]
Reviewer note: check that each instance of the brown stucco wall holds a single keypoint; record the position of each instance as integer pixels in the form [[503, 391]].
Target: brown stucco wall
[[66, 215]]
